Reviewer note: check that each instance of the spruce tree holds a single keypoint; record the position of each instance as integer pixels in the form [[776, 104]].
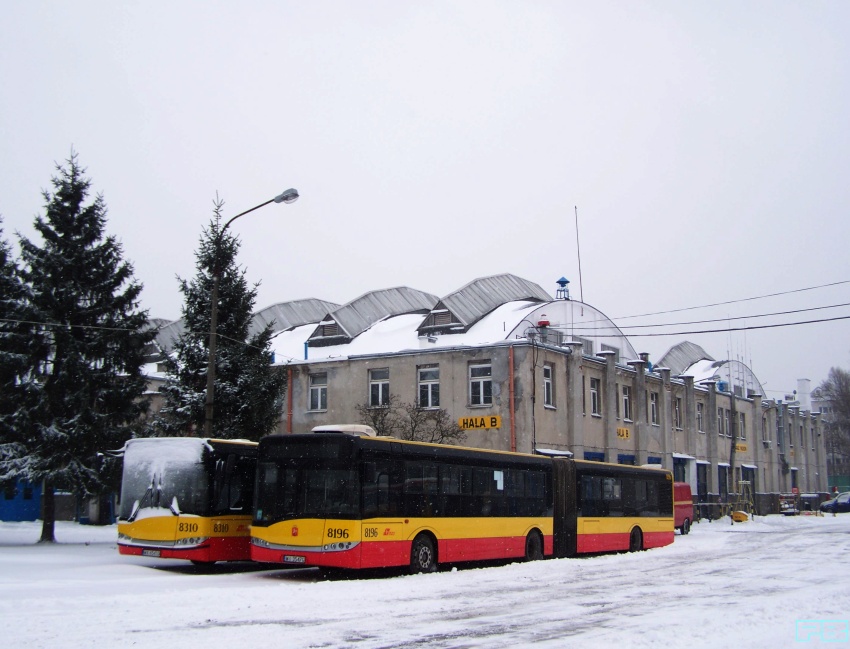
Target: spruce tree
[[248, 389], [13, 352], [85, 354]]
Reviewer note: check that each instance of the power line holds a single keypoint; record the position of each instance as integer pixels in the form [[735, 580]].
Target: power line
[[770, 326], [743, 317], [746, 299]]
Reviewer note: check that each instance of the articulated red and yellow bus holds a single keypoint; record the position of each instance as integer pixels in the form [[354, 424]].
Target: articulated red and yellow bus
[[187, 498], [342, 500]]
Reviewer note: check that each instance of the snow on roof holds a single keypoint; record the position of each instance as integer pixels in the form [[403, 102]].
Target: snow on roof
[[399, 333], [553, 452], [478, 298], [361, 313], [175, 449], [681, 356], [732, 372], [682, 456]]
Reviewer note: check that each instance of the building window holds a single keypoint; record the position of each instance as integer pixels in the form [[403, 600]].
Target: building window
[[813, 438], [653, 408], [720, 422], [429, 386], [627, 403], [319, 391], [728, 423], [617, 400], [379, 388], [548, 392], [742, 426], [677, 412], [764, 436], [480, 385], [700, 414], [583, 395], [595, 397], [723, 482], [802, 441]]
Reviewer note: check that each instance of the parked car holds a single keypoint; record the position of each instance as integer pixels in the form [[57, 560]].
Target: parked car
[[683, 507], [841, 503]]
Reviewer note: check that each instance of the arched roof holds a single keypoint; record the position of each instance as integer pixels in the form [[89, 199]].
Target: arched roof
[[731, 375], [458, 311], [683, 355], [570, 320], [350, 320], [287, 315]]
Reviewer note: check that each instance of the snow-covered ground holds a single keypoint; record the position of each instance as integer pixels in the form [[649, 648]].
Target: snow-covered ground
[[745, 585]]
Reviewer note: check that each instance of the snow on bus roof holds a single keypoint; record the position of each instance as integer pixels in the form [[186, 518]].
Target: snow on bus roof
[[351, 429]]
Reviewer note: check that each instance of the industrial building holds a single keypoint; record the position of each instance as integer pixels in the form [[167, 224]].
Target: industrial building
[[523, 371]]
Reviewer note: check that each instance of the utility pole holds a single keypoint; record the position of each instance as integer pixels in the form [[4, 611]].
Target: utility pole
[[733, 430]]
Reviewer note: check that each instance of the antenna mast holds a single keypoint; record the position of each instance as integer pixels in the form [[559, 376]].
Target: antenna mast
[[578, 252]]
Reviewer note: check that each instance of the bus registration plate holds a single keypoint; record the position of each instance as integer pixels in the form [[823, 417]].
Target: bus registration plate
[[293, 558], [150, 553]]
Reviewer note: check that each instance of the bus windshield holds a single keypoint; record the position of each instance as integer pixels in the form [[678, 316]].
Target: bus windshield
[[156, 477], [303, 489]]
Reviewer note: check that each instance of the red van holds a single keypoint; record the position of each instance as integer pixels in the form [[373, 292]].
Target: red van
[[683, 506]]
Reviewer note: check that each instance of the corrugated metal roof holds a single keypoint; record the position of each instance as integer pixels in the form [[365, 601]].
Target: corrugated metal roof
[[287, 315], [361, 313], [168, 335], [680, 357], [475, 300]]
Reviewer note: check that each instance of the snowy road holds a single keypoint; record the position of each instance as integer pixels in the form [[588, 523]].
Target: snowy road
[[745, 585]]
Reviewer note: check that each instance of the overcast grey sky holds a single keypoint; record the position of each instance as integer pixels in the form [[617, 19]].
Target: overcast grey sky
[[705, 144]]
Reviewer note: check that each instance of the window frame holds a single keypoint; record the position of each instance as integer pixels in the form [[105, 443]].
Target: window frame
[[379, 398], [548, 385], [627, 403], [432, 387], [677, 413], [595, 397], [484, 384], [318, 392], [653, 408]]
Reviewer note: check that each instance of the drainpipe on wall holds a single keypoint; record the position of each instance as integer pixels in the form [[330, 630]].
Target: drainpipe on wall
[[288, 399], [511, 397]]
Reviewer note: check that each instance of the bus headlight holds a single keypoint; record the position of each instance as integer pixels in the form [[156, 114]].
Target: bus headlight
[[339, 547], [192, 541]]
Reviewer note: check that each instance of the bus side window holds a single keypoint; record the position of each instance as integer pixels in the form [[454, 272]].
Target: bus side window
[[589, 496], [376, 489]]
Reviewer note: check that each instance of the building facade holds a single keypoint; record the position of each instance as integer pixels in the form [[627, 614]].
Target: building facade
[[521, 371]]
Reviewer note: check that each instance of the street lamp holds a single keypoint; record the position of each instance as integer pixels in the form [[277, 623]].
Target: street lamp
[[289, 196]]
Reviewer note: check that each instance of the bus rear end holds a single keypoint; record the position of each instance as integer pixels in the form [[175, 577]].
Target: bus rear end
[[683, 506]]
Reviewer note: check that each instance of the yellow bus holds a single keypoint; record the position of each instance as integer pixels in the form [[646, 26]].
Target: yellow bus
[[344, 500], [187, 498]]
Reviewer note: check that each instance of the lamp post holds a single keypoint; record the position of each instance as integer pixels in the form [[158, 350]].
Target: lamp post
[[289, 196]]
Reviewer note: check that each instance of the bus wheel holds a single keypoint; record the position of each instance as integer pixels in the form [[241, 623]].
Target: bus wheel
[[533, 546], [422, 555], [636, 540], [686, 526]]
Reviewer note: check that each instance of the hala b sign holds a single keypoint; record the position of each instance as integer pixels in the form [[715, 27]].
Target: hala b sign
[[477, 423]]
